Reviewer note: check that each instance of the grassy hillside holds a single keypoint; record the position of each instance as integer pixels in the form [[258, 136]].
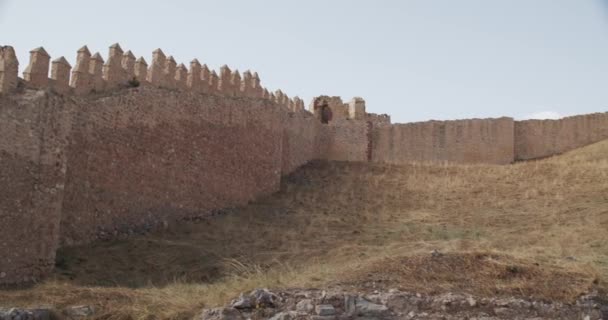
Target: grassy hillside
[[536, 228]]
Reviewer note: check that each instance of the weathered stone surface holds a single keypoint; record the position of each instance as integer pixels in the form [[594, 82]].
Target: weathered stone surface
[[23, 314], [235, 84], [32, 179], [368, 309], [194, 81], [141, 69], [147, 135], [156, 71], [345, 143], [356, 109], [279, 97], [169, 73], [113, 72], [247, 85], [80, 312], [457, 141], [225, 81], [81, 79], [264, 298], [221, 314], [60, 73], [450, 306], [350, 304], [9, 69], [206, 79], [305, 305], [214, 83], [181, 77], [322, 106], [244, 302], [258, 91], [542, 138], [325, 310], [37, 72], [287, 315], [96, 72], [128, 64], [179, 139]]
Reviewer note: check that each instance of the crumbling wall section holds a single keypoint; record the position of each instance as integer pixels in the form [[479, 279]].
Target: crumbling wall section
[[338, 109], [378, 119], [460, 141]]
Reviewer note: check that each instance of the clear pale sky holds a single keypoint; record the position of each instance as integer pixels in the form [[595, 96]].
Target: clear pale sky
[[413, 59]]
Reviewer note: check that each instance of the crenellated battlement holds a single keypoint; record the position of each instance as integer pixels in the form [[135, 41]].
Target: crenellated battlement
[[92, 74], [9, 68], [36, 75], [60, 75]]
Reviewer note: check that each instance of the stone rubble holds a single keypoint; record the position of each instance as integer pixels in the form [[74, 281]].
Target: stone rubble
[[47, 313], [79, 312], [21, 314], [394, 304], [337, 304]]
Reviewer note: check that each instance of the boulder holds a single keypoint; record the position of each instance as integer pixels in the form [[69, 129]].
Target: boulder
[[221, 314], [325, 310]]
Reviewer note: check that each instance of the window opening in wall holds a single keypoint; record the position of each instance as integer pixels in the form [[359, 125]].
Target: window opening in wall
[[325, 113]]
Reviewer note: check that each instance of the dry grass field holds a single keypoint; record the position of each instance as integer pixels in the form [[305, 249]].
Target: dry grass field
[[537, 228]]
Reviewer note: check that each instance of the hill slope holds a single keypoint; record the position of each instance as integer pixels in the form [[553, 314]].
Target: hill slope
[[351, 223]]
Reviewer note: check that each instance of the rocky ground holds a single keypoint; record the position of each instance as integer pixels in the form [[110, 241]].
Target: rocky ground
[[336, 304], [395, 304]]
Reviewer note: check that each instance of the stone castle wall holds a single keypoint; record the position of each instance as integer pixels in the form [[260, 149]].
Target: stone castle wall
[[148, 156], [459, 141], [348, 141], [543, 138], [108, 149], [34, 132], [303, 139], [75, 170], [113, 148]]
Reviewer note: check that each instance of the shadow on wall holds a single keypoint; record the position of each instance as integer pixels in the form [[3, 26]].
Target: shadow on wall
[[326, 114], [78, 169]]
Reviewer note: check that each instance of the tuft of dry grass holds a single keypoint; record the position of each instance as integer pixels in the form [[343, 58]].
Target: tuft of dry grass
[[337, 222], [480, 274]]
